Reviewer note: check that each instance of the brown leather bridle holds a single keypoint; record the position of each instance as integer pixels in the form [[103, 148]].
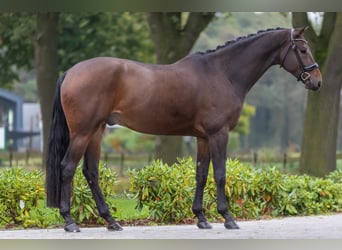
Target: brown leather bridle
[[304, 75]]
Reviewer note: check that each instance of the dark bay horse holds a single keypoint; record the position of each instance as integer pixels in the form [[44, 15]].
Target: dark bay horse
[[200, 95]]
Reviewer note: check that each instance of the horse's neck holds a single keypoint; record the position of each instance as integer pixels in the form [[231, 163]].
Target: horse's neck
[[246, 61]]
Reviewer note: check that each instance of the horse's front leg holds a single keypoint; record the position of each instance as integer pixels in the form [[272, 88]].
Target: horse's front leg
[[202, 167], [218, 153]]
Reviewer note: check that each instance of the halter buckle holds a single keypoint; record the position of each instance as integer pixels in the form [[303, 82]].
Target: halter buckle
[[304, 76]]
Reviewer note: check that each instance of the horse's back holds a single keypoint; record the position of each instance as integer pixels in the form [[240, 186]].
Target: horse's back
[[140, 96]]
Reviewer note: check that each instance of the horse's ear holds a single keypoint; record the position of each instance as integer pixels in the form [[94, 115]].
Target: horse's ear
[[300, 31]]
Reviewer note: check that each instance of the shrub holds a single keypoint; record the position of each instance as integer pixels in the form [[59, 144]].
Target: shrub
[[165, 190], [22, 198], [252, 192], [335, 176], [168, 192], [83, 207], [20, 191]]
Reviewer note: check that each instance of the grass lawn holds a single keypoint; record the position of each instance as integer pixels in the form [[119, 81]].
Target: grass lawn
[[126, 209]]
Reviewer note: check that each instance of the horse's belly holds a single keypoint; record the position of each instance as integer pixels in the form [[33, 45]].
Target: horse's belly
[[152, 123]]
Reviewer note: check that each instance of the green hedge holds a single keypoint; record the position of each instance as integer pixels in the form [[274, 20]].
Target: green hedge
[[22, 198], [168, 192], [83, 208], [20, 192]]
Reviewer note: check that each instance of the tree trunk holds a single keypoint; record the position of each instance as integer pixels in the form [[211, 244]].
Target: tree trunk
[[173, 40], [319, 140], [46, 61]]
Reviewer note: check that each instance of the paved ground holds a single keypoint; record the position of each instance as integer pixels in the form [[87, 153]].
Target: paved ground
[[313, 227]]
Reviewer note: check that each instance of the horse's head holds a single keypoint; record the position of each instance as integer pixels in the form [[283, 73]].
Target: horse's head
[[298, 60]]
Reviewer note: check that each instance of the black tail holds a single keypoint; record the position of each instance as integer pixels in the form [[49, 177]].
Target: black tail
[[58, 144]]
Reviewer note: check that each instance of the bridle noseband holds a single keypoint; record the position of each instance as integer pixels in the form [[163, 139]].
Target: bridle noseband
[[304, 75]]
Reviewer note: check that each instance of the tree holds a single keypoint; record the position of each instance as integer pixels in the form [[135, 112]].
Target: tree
[[319, 140], [46, 65], [174, 34], [58, 43], [86, 35], [16, 47]]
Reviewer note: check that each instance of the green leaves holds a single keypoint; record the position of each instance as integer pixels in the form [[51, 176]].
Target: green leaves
[[20, 191], [243, 126], [83, 207], [86, 35], [22, 198], [81, 36], [168, 192], [16, 46]]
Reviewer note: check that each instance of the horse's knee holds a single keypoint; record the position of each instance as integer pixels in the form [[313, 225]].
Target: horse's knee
[[220, 180], [197, 209], [222, 209], [201, 180]]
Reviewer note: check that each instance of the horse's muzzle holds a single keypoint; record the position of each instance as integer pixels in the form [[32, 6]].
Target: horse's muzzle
[[313, 84], [312, 79]]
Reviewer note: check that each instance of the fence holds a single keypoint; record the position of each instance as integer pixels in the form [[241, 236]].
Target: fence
[[125, 160], [115, 160], [257, 159], [9, 159]]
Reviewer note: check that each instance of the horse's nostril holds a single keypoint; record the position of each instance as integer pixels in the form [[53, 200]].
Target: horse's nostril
[[319, 84]]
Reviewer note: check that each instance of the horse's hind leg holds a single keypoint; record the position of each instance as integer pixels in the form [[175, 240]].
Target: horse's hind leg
[[90, 171], [72, 157]]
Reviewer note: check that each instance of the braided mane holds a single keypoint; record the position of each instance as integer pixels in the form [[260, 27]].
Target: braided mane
[[238, 40]]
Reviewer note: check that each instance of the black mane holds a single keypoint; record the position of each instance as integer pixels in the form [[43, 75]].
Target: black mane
[[237, 40]]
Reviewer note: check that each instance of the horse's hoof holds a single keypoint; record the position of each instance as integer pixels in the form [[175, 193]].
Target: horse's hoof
[[72, 228], [204, 225], [114, 227], [231, 225]]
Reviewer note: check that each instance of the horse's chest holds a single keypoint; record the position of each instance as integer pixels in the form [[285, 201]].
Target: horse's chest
[[222, 111]]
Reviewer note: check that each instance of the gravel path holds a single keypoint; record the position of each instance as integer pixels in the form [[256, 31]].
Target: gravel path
[[310, 227]]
